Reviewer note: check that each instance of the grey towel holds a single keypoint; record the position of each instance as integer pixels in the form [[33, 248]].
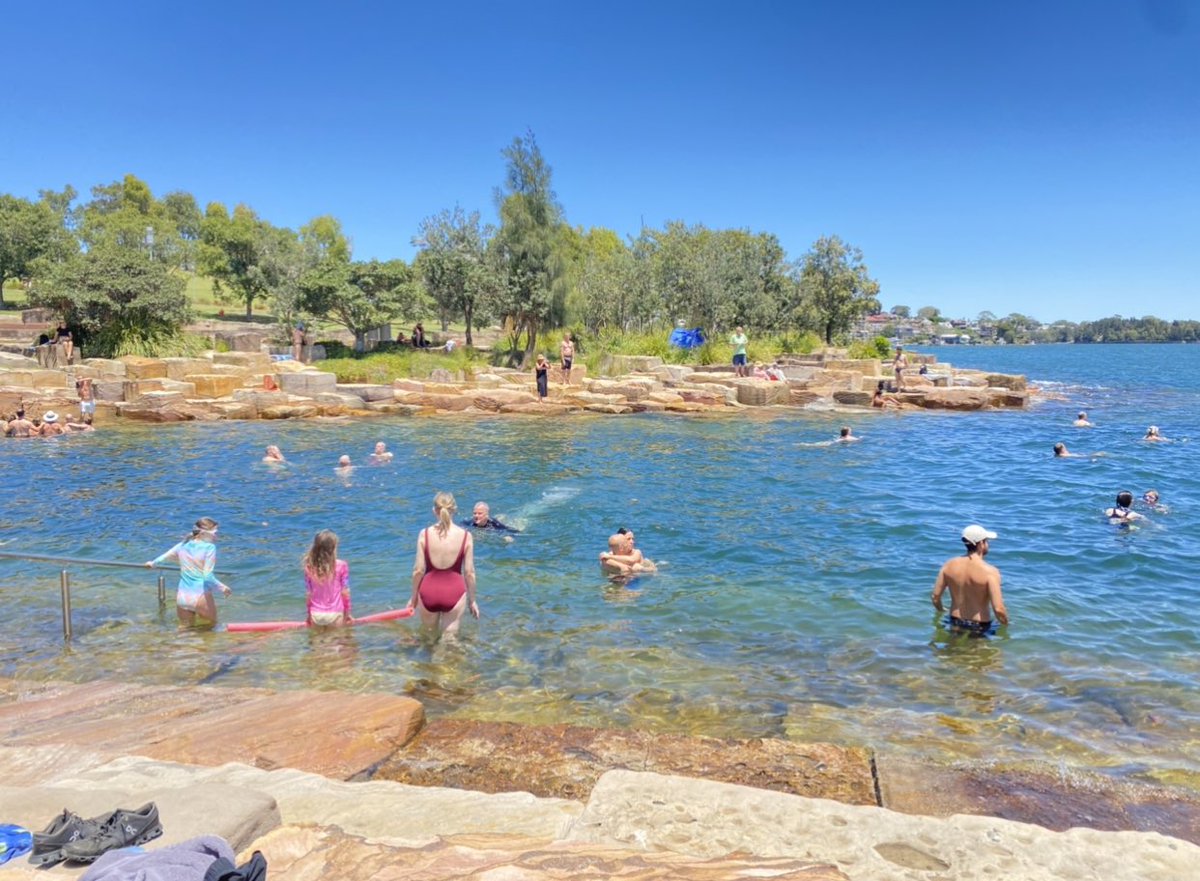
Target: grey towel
[[186, 861]]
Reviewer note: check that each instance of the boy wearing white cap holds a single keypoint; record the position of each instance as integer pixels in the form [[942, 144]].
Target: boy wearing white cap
[[974, 586]]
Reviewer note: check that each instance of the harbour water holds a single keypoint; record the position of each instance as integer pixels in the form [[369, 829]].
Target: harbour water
[[793, 595]]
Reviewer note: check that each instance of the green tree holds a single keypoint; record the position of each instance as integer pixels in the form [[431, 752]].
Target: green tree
[[930, 313], [125, 214], [901, 311], [359, 296], [835, 287], [29, 231], [181, 209], [117, 297], [454, 264], [527, 245], [232, 252]]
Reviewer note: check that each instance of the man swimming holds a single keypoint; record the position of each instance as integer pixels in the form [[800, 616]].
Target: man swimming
[[381, 454], [846, 436], [974, 586], [1153, 435], [481, 518], [274, 456], [1081, 421]]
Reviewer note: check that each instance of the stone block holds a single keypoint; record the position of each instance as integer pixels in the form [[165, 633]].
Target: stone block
[[393, 408], [289, 411], [144, 368], [762, 393], [614, 409], [951, 398], [632, 391], [309, 384], [445, 376], [665, 397], [495, 399], [441, 388], [106, 366], [408, 385], [1006, 381], [211, 385], [343, 399], [673, 372], [446, 402], [699, 377], [234, 409], [181, 368], [135, 388], [109, 390], [250, 360], [586, 398], [649, 406], [368, 392], [187, 389], [618, 365], [803, 398], [704, 398], [853, 399], [1003, 398]]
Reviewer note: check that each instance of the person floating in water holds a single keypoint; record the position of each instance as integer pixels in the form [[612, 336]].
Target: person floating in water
[[381, 455], [1153, 436], [443, 579], [974, 586], [326, 583], [1151, 498], [274, 456], [197, 557], [1081, 421], [481, 518], [1122, 512], [846, 436]]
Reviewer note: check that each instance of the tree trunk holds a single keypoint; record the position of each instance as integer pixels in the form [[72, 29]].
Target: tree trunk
[[468, 311], [360, 341], [249, 308]]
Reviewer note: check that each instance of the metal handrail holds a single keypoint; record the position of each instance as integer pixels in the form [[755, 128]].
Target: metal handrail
[[65, 578], [82, 561]]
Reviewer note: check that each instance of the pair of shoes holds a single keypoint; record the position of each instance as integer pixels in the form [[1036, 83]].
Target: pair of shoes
[[64, 829], [120, 829]]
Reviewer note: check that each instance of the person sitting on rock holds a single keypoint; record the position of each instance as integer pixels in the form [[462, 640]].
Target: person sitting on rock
[[882, 400]]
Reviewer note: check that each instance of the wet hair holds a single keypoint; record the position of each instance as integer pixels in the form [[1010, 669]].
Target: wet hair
[[21, 413], [623, 531], [204, 524], [845, 431], [1060, 448], [321, 559], [879, 387], [1124, 498], [445, 508]]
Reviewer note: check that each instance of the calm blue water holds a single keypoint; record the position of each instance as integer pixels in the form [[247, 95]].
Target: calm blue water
[[793, 596]]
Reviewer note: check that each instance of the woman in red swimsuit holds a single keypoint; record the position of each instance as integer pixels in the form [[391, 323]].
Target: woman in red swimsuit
[[443, 583]]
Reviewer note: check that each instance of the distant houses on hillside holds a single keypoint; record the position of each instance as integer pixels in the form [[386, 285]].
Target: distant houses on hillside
[[955, 332]]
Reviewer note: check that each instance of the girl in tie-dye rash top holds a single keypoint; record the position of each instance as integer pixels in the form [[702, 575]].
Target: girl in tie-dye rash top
[[197, 556]]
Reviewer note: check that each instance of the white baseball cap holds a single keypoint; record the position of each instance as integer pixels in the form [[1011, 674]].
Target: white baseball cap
[[976, 533]]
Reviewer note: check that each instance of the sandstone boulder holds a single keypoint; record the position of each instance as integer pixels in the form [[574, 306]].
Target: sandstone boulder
[[250, 361], [694, 396], [408, 385], [495, 399], [106, 366], [368, 391], [446, 402], [181, 368], [288, 411], [1009, 399], [618, 365], [851, 399], [144, 368], [213, 385], [1006, 381], [613, 409], [950, 398], [762, 393], [308, 384]]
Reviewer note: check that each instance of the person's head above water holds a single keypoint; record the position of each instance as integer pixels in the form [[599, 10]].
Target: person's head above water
[[845, 431], [1060, 449], [273, 452], [1152, 431], [1151, 496], [481, 513], [1082, 415], [976, 538], [344, 462], [380, 448], [1124, 498]]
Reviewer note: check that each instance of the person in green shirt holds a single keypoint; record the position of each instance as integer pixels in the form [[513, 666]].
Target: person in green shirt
[[739, 351]]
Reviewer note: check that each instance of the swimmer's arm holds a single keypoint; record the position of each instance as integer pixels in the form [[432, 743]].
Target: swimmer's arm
[[163, 557], [996, 598], [418, 570], [939, 587], [469, 575], [207, 564]]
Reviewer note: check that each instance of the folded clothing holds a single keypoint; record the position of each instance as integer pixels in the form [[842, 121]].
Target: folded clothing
[[187, 861], [14, 841]]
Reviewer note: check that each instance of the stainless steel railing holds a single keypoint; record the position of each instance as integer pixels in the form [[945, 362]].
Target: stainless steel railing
[[64, 578]]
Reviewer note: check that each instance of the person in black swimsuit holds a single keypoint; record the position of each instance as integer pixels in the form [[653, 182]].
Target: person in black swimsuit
[[481, 518]]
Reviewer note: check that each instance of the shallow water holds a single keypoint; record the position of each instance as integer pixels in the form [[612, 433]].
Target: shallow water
[[793, 595]]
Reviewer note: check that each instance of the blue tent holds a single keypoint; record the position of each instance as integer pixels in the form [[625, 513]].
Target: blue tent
[[687, 339]]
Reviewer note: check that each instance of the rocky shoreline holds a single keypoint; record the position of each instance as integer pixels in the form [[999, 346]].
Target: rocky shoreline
[[322, 783], [252, 385]]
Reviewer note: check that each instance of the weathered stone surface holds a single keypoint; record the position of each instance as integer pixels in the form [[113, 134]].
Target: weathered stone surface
[[619, 365], [686, 407], [288, 411], [135, 388], [309, 384], [34, 379], [611, 409], [586, 398], [728, 379], [325, 732], [710, 819], [843, 380], [850, 399], [545, 408], [252, 360], [304, 852], [1007, 381], [1001, 398], [565, 761], [109, 390], [106, 366], [166, 407], [762, 393], [494, 399], [649, 406], [1038, 795], [211, 385], [347, 401], [238, 815], [706, 399], [442, 388], [868, 367], [673, 372], [951, 398], [971, 379], [632, 391], [368, 391], [144, 368], [181, 368], [408, 385], [446, 402], [395, 408], [665, 397], [234, 409]]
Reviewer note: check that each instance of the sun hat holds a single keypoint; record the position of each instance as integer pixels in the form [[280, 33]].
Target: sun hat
[[976, 533], [49, 416]]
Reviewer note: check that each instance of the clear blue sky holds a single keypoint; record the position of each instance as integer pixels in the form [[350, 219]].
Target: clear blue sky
[[1017, 156]]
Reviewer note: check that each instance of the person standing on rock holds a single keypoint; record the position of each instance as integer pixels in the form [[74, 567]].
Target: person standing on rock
[[87, 398], [197, 557], [974, 586], [297, 340], [541, 373], [443, 579], [566, 354], [739, 342], [898, 364]]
